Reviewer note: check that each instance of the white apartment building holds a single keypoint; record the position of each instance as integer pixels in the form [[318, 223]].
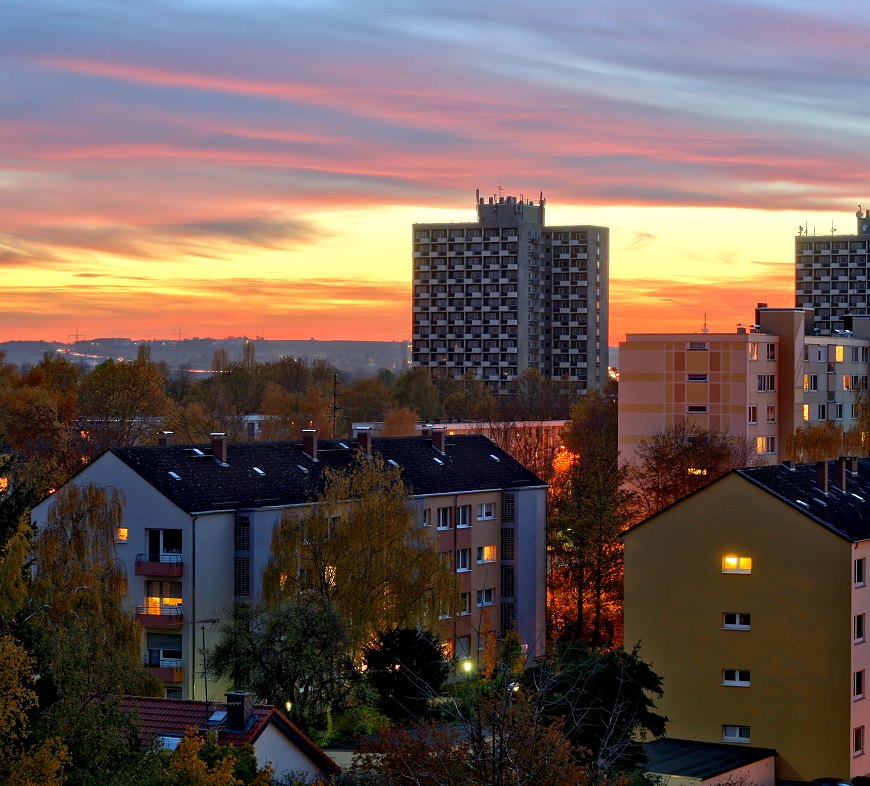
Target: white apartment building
[[507, 293]]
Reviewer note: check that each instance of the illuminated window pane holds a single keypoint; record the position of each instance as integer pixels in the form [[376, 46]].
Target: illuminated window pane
[[736, 564], [121, 534]]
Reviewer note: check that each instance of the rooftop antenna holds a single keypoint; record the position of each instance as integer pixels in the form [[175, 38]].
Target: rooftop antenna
[[204, 675], [705, 329], [833, 228]]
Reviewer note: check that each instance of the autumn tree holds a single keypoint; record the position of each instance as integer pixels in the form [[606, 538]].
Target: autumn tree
[[679, 460], [815, 442], [118, 403], [87, 644], [200, 761], [293, 651], [401, 422], [366, 400], [359, 545], [415, 389], [588, 513]]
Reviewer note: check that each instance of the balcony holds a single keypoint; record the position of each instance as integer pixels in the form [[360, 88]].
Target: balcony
[[161, 617], [165, 669], [169, 565]]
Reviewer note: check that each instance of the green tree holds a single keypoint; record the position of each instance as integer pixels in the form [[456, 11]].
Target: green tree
[[407, 668], [293, 653], [360, 546], [415, 389]]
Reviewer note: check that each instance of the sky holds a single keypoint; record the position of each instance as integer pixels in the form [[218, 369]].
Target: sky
[[253, 167]]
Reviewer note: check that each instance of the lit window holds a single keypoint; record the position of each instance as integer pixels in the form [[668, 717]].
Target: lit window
[[860, 565], [858, 684], [735, 733], [806, 412], [839, 353], [858, 741], [122, 534], [486, 553], [486, 597], [858, 627], [753, 350], [733, 564], [734, 620], [4, 485], [847, 381], [736, 678], [463, 515], [486, 510], [765, 445], [463, 557], [162, 595]]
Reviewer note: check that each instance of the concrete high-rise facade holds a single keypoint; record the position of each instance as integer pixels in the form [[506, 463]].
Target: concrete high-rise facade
[[507, 293], [831, 274]]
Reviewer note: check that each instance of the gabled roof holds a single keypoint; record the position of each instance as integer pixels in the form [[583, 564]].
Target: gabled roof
[[160, 717], [702, 760], [264, 474], [847, 514]]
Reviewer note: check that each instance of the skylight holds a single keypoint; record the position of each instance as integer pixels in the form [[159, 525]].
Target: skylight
[[259, 471], [197, 452], [437, 460], [494, 457], [174, 475], [217, 718], [341, 444], [392, 463], [860, 499], [169, 742], [801, 502], [302, 468]]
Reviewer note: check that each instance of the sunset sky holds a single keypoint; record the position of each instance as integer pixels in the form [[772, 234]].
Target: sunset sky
[[253, 167]]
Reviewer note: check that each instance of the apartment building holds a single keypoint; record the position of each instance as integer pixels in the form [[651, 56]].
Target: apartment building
[[750, 599], [831, 274], [761, 382], [198, 524], [508, 293]]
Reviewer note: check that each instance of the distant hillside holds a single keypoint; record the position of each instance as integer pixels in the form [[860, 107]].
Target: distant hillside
[[355, 358]]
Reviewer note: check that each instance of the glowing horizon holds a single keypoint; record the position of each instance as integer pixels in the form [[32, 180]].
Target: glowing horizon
[[254, 168]]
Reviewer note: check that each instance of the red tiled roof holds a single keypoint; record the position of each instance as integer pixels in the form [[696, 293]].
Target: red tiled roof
[[172, 717]]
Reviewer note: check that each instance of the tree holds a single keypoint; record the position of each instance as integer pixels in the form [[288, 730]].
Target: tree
[[366, 400], [200, 761], [407, 667], [360, 546], [401, 422], [679, 460], [294, 651], [415, 389], [118, 402], [87, 645], [815, 442], [588, 514]]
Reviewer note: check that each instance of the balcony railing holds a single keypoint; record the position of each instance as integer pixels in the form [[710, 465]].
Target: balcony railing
[[163, 617], [165, 669], [170, 565]]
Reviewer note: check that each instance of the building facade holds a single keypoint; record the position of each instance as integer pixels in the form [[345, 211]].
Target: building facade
[[508, 293], [750, 599], [760, 383], [198, 523], [831, 274]]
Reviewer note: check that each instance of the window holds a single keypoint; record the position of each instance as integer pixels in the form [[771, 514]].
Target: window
[[736, 678], [463, 515], [811, 381], [838, 410], [697, 377], [443, 518], [753, 350], [735, 620], [242, 577], [858, 684], [162, 595], [753, 413], [860, 565], [242, 533], [735, 733], [164, 649], [857, 740], [806, 412], [847, 381], [122, 534], [839, 353], [463, 558], [486, 510], [507, 509], [163, 541], [697, 346], [464, 603], [766, 382], [858, 628], [771, 413], [732, 564], [697, 408], [426, 518], [486, 553], [822, 411], [771, 351], [463, 646], [486, 597], [765, 445]]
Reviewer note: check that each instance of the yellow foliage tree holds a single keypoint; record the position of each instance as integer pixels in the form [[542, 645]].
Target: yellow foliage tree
[[815, 442]]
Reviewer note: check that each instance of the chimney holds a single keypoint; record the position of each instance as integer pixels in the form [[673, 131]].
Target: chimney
[[164, 438], [789, 465], [852, 465], [219, 446], [425, 429], [240, 709], [439, 440], [822, 476], [309, 442], [364, 440], [839, 478]]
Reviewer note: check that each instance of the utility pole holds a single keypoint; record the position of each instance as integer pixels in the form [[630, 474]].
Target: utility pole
[[204, 673]]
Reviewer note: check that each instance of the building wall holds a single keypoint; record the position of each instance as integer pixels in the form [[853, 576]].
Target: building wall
[[797, 650]]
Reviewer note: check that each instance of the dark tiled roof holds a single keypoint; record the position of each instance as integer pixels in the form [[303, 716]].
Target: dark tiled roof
[[689, 759], [197, 482], [845, 513], [157, 717]]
